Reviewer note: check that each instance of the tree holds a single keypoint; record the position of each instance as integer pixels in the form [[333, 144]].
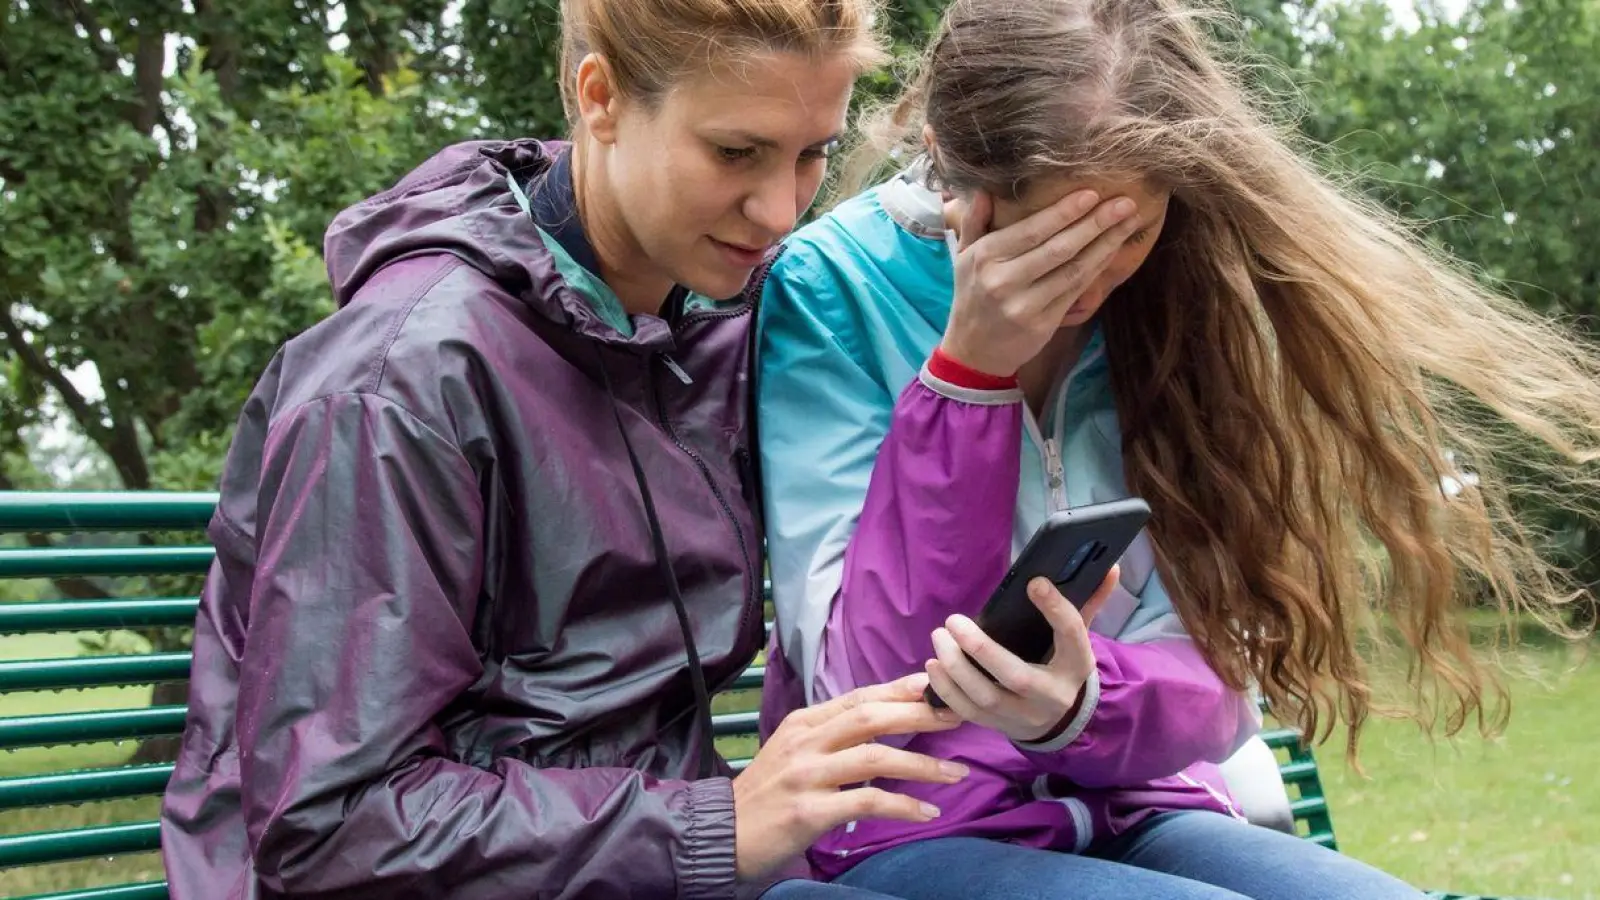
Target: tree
[[167, 168], [1486, 127], [165, 175]]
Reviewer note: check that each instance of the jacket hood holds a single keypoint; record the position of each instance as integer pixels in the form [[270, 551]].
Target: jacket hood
[[460, 202]]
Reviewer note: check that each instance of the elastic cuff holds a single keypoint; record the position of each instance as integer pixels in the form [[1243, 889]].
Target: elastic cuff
[[709, 864], [950, 370], [1089, 702], [975, 396]]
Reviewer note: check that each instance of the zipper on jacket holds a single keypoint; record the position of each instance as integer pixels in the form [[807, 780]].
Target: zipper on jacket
[[1055, 475], [755, 566], [705, 472], [1055, 471], [676, 369], [1034, 433]]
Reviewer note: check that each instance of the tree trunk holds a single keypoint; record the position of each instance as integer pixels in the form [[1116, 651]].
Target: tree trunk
[[162, 749], [370, 42]]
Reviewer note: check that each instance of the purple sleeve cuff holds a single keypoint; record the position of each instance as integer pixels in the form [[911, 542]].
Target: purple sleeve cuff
[[1080, 720], [1155, 709]]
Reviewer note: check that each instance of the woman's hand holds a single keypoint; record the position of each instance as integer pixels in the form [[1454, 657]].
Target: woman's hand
[[792, 793], [1023, 701], [1013, 286]]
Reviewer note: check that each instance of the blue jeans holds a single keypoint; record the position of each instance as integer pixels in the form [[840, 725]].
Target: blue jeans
[[819, 890], [1174, 856]]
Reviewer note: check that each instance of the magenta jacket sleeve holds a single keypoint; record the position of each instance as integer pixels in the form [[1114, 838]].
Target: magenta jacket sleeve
[[933, 539], [934, 536], [1149, 711]]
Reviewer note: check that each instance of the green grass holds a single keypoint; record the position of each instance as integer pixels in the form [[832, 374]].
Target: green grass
[[47, 759], [1516, 817], [87, 873]]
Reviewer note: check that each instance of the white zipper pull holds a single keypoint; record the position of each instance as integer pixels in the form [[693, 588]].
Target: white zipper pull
[[676, 369], [1056, 474]]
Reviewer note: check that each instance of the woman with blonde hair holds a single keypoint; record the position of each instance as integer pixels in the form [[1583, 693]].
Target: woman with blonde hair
[[486, 541], [1107, 275]]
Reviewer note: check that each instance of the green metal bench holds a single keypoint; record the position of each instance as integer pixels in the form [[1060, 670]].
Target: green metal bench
[[90, 536]]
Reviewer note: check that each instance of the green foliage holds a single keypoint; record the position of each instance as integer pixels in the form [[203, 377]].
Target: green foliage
[[1485, 129], [167, 170], [161, 220]]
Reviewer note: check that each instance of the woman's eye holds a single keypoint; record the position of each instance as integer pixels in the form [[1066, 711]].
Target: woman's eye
[[1138, 237], [735, 154]]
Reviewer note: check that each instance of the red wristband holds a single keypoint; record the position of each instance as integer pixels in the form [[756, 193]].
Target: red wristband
[[948, 369]]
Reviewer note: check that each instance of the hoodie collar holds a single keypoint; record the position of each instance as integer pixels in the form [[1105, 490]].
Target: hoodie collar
[[551, 201], [461, 203]]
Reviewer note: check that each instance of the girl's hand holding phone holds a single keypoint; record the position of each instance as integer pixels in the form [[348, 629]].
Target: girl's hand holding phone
[[1026, 702]]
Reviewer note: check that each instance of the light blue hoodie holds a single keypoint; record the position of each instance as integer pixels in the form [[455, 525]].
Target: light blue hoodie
[[887, 498]]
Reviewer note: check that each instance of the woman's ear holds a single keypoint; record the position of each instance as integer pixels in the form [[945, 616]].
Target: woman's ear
[[598, 99]]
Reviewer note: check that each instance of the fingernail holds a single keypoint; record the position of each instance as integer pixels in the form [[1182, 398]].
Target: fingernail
[[959, 622], [1036, 587], [930, 811], [1085, 200], [954, 770], [946, 715], [1124, 208]]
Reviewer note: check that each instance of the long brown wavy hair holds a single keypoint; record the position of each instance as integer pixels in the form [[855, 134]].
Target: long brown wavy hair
[[1294, 368]]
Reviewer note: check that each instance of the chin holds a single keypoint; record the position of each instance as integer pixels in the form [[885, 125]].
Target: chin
[[718, 284]]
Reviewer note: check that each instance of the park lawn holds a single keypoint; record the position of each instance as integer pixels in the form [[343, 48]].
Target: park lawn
[[1517, 816]]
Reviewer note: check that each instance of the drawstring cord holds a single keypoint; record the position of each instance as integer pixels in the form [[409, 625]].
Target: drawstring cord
[[697, 675]]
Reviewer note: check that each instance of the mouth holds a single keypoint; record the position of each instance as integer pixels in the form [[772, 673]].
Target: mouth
[[1078, 311], [743, 255]]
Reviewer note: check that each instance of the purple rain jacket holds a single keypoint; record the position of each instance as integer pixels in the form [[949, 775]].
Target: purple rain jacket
[[437, 654]]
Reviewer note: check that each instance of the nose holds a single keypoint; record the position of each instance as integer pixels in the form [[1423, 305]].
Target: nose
[[774, 205]]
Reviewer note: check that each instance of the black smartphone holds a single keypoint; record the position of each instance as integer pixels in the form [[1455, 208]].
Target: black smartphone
[[1074, 548]]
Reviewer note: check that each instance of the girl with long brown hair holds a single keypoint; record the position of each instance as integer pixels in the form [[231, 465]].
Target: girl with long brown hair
[[1105, 273]]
